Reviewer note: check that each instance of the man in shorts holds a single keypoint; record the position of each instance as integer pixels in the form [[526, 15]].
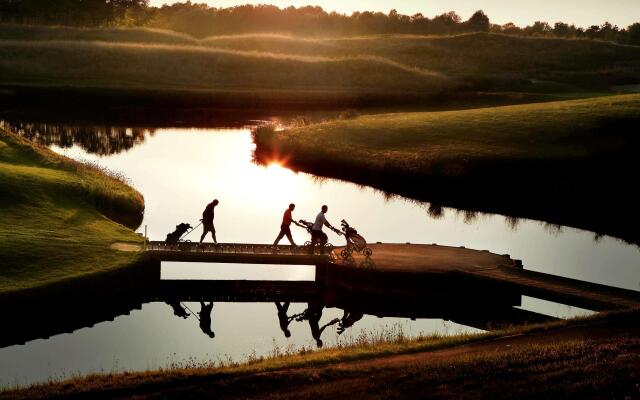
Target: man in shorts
[[207, 221]]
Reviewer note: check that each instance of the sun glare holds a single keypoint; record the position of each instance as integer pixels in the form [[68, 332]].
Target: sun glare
[[277, 171]]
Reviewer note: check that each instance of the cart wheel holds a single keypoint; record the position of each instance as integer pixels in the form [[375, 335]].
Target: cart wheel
[[367, 252], [345, 254]]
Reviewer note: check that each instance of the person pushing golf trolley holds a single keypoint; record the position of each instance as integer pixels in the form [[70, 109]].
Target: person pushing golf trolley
[[318, 237], [355, 242]]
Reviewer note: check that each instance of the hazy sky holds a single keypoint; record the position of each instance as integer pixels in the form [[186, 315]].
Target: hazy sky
[[521, 12]]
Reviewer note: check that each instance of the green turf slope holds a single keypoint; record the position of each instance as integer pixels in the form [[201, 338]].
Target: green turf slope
[[52, 217], [435, 142]]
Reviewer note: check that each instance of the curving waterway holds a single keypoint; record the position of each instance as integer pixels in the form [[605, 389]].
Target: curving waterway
[[180, 170]]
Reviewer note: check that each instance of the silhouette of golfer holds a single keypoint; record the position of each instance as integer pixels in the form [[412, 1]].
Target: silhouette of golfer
[[284, 319], [317, 236], [285, 227], [348, 319], [205, 318], [207, 221], [313, 313]]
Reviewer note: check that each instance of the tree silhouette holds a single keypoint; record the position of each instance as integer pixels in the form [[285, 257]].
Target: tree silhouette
[[479, 22], [634, 34], [201, 20]]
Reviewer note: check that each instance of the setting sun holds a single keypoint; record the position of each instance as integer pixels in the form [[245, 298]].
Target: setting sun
[[197, 196]]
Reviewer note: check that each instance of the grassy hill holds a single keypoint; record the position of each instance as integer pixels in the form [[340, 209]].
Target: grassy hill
[[479, 59], [32, 55], [146, 61], [556, 161], [52, 217]]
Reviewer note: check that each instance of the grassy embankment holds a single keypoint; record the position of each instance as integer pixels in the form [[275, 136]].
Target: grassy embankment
[[288, 69], [52, 217], [570, 162], [140, 60], [596, 355]]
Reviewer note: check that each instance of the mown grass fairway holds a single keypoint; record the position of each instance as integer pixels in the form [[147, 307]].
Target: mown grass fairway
[[562, 162], [148, 66], [52, 223], [284, 65], [454, 143]]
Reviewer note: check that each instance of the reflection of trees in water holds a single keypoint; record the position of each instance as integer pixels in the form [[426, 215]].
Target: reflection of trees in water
[[553, 229], [512, 222], [102, 140], [469, 216], [435, 211]]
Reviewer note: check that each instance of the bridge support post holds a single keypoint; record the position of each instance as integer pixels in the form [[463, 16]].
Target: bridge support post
[[321, 273]]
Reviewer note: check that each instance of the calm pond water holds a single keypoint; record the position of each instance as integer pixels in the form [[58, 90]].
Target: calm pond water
[[180, 170]]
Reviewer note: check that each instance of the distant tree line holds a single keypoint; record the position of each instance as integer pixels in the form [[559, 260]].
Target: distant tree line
[[201, 20], [73, 12]]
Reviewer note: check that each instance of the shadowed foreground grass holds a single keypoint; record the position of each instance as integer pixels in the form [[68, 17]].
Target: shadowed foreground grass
[[565, 151], [596, 357], [52, 217]]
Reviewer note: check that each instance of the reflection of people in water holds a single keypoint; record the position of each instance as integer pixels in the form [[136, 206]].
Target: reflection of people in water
[[205, 318], [178, 309], [313, 313], [348, 319], [283, 318]]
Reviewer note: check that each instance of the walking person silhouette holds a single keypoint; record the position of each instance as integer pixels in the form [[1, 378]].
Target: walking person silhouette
[[285, 227], [313, 313], [207, 221], [283, 318], [205, 318]]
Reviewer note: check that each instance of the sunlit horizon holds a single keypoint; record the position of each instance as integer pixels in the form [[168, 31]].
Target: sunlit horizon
[[581, 13]]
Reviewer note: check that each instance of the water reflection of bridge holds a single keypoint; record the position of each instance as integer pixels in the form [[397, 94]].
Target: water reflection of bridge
[[413, 266], [65, 314], [477, 289]]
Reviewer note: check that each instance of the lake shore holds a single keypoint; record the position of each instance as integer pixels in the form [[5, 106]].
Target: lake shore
[[548, 360], [568, 163], [58, 218]]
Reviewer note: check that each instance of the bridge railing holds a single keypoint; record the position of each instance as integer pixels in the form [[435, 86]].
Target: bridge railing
[[233, 248]]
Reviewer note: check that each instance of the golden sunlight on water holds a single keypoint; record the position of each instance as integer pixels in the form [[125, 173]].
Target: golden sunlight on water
[[184, 169]]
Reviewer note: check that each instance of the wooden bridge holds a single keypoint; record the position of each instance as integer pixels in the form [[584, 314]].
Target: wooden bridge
[[411, 265], [471, 287]]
